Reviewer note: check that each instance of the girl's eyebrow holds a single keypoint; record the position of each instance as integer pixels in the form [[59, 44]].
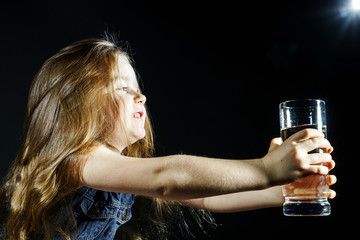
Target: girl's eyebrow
[[120, 77], [128, 80], [121, 80], [125, 81]]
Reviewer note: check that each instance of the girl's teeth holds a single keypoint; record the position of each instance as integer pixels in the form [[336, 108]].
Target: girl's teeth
[[136, 115]]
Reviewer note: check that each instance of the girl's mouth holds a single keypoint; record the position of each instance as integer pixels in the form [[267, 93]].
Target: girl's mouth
[[137, 115]]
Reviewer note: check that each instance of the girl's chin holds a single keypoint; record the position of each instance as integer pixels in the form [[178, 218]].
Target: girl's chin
[[137, 137]]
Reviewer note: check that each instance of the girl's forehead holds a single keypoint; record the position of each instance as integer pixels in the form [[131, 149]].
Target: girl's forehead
[[125, 68], [125, 73]]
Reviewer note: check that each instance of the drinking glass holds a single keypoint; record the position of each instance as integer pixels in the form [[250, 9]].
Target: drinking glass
[[307, 196]]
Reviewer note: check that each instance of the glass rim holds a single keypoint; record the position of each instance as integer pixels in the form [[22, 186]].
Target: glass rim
[[298, 103]]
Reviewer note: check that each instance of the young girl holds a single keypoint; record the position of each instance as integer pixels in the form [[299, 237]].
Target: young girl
[[87, 149]]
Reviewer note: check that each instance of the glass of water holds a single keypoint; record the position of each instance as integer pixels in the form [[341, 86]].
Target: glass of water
[[307, 196]]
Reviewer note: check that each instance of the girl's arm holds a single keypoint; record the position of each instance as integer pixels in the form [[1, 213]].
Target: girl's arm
[[244, 201], [241, 201], [181, 177], [250, 200], [176, 177]]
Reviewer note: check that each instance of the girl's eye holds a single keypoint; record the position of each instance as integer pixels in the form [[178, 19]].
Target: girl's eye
[[125, 89]]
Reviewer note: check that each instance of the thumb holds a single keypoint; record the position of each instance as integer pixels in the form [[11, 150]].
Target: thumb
[[275, 142]]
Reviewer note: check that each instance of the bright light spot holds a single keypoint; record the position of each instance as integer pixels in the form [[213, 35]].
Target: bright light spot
[[350, 10], [356, 4]]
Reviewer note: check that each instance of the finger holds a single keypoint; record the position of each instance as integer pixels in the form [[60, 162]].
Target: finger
[[314, 143], [331, 179], [332, 194], [307, 134], [274, 143], [330, 150], [321, 158], [317, 169], [330, 165]]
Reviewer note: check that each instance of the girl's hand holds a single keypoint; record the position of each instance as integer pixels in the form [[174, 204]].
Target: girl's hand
[[289, 161]]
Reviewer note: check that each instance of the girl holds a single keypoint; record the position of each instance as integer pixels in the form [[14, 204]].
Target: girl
[[87, 149]]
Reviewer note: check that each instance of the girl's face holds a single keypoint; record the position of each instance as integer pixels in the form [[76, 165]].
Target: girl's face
[[132, 109]]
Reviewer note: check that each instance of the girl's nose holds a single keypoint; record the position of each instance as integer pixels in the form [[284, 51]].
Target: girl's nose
[[140, 98]]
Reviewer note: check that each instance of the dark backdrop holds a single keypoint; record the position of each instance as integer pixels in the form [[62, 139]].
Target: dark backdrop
[[214, 74]]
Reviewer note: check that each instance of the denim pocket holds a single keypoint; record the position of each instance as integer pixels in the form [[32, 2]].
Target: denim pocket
[[96, 220]]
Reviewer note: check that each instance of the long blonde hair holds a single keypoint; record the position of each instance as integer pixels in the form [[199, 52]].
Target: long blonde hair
[[71, 108]]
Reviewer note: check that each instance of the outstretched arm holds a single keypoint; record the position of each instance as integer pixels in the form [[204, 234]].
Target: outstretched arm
[[250, 200], [175, 177], [245, 201], [182, 177], [241, 201]]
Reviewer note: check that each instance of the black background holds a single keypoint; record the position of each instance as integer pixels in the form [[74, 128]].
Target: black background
[[214, 74]]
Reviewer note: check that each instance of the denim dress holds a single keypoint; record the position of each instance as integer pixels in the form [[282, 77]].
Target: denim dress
[[99, 214]]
